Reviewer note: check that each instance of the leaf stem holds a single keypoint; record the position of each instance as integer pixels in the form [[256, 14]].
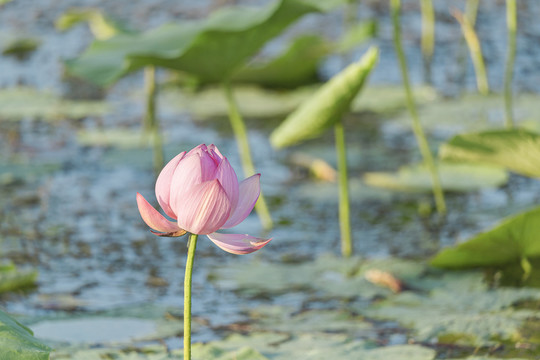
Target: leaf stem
[[511, 22], [344, 206], [192, 244], [471, 10], [428, 36], [473, 43], [240, 133], [416, 126], [150, 122]]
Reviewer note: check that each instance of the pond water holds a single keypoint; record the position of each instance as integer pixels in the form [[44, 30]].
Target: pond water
[[69, 210]]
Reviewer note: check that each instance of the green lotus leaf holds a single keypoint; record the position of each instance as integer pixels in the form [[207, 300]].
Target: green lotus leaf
[[12, 278], [21, 102], [211, 49], [327, 105], [18, 343], [261, 103], [517, 150], [21, 48], [454, 177], [114, 137], [295, 67], [509, 242]]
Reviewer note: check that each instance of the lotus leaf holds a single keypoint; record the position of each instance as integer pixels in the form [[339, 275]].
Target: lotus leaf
[[512, 240], [18, 343], [327, 105], [454, 177], [517, 150], [211, 49], [297, 66]]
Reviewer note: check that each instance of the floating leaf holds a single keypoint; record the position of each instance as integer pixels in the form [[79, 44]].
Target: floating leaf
[[454, 177], [12, 279], [113, 330], [21, 48], [324, 346], [487, 358], [330, 276], [256, 102], [471, 112], [212, 49], [23, 102], [297, 66], [253, 101], [326, 106], [510, 241], [17, 341], [445, 306], [468, 317], [199, 351], [515, 149], [272, 346], [456, 307], [327, 193], [401, 352], [120, 138], [390, 98], [279, 319], [211, 352]]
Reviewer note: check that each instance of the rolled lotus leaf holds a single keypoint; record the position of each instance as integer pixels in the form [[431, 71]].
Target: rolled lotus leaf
[[327, 105]]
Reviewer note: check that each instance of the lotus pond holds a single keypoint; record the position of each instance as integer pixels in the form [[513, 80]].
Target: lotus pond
[[443, 213]]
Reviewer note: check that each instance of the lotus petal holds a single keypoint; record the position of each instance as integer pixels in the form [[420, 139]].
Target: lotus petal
[[249, 190], [163, 184], [227, 177], [193, 170], [153, 218], [204, 209], [238, 244]]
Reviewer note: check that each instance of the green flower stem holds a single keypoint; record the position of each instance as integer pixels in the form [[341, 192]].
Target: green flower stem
[[416, 126], [151, 123], [428, 36], [240, 132], [511, 22], [471, 38], [344, 206], [471, 10], [192, 244]]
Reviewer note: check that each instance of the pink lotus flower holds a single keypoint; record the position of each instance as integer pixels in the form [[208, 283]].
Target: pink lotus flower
[[201, 192]]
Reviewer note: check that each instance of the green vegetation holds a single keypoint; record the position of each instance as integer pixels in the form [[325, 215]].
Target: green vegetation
[[17, 341]]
